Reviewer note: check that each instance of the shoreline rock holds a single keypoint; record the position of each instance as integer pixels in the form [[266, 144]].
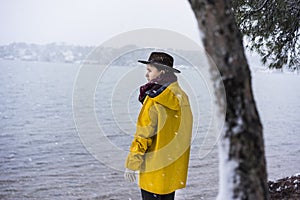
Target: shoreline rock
[[285, 189]]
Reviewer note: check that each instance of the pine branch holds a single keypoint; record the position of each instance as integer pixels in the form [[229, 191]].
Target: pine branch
[[260, 8]]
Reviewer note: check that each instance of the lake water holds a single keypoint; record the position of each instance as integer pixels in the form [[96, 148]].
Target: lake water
[[42, 155]]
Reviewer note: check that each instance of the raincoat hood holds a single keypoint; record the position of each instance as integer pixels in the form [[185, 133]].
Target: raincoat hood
[[170, 96]]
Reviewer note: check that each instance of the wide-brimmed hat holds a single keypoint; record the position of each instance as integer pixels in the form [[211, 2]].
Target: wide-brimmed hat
[[162, 60]]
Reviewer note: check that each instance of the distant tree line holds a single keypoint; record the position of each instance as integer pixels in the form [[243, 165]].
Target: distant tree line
[[66, 53]]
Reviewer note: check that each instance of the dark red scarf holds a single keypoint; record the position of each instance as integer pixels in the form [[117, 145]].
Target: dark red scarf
[[155, 84]]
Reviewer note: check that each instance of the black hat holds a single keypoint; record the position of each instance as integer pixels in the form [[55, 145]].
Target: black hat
[[161, 59]]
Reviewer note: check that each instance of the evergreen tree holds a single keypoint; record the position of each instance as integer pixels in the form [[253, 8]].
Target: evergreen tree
[[272, 29]]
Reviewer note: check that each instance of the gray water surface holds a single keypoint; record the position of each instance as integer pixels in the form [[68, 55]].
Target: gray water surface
[[42, 157]]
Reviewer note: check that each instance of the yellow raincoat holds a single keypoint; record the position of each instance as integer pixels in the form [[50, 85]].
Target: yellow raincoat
[[161, 146]]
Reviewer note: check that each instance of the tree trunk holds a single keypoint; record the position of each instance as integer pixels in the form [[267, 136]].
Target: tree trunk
[[242, 157]]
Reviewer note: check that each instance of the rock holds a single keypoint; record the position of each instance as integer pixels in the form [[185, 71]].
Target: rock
[[285, 189]]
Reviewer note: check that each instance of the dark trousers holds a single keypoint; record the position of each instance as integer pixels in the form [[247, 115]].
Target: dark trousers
[[150, 196]]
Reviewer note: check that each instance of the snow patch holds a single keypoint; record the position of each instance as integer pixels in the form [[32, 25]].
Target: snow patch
[[239, 125], [227, 171]]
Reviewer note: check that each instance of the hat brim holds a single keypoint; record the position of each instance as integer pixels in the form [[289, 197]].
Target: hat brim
[[161, 65]]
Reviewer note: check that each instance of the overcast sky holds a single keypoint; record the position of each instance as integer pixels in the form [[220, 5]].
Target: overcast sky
[[90, 22]]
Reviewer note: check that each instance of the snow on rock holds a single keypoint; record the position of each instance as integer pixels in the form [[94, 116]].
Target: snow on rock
[[285, 188]]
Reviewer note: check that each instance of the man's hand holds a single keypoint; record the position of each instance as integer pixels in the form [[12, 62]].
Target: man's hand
[[129, 175]]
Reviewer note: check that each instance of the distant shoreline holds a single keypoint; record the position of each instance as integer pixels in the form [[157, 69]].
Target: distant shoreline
[[78, 54]]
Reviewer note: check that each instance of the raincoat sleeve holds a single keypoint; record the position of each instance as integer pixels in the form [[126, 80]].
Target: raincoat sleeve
[[145, 130]]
